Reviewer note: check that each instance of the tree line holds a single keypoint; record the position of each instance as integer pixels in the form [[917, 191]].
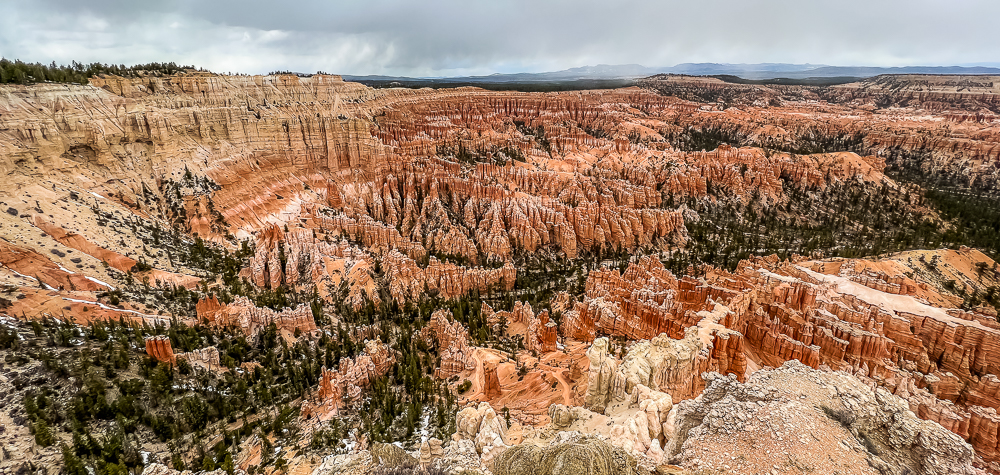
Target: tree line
[[19, 72]]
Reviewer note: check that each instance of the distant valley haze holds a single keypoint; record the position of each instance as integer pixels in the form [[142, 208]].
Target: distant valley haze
[[747, 71]]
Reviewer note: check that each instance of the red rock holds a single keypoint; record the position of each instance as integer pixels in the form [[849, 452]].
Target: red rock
[[159, 348], [80, 243], [491, 383], [33, 265], [984, 425]]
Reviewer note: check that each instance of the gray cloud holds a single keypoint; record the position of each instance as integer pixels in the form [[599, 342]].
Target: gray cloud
[[459, 37]]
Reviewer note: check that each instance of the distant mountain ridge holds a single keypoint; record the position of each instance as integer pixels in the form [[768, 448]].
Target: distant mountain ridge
[[746, 71]]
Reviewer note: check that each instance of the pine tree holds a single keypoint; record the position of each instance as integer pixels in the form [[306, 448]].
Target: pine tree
[[43, 434], [207, 464], [72, 465], [227, 464]]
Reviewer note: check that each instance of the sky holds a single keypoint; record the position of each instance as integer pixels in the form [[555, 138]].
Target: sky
[[471, 37]]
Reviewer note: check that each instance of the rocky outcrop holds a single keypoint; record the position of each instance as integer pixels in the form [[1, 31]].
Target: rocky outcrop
[[430, 450], [406, 280], [483, 426], [539, 332], [867, 318], [352, 375], [452, 341], [160, 469], [434, 457], [207, 358], [664, 364], [391, 456], [243, 314], [158, 347], [637, 304], [299, 259], [561, 417], [834, 411], [850, 114], [491, 382], [603, 368]]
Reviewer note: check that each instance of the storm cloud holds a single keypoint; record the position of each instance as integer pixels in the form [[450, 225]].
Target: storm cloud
[[463, 37]]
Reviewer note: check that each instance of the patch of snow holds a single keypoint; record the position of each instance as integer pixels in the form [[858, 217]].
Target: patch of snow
[[772, 275], [105, 307], [20, 274], [425, 427], [99, 282], [47, 286], [891, 303]]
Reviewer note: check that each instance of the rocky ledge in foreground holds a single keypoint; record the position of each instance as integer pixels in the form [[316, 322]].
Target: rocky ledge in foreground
[[793, 419]]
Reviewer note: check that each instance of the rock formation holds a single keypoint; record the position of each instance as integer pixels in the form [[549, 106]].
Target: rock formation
[[382, 195], [207, 358], [603, 368], [430, 450], [352, 375], [389, 455], [853, 315], [243, 314], [483, 426], [407, 281], [847, 113], [452, 341], [159, 348], [160, 469], [823, 420], [491, 383], [831, 413]]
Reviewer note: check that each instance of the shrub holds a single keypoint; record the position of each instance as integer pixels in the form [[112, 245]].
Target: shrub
[[141, 266], [844, 416], [43, 434], [869, 445]]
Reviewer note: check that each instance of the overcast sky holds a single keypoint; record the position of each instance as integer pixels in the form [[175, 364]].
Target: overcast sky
[[463, 37]]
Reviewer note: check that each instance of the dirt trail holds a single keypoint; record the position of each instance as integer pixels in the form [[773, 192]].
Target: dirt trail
[[567, 398], [477, 376]]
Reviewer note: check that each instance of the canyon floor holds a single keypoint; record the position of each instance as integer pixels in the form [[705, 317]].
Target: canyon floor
[[291, 274]]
